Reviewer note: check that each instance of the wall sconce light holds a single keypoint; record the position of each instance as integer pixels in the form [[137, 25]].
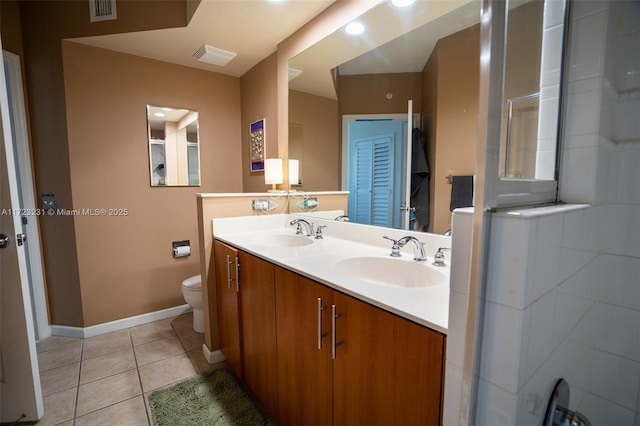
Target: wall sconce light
[[294, 175], [273, 172]]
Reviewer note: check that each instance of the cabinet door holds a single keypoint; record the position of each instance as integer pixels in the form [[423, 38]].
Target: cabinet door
[[304, 369], [257, 309], [387, 371], [228, 305]]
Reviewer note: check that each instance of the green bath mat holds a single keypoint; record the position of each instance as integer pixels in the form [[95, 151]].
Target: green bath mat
[[214, 398]]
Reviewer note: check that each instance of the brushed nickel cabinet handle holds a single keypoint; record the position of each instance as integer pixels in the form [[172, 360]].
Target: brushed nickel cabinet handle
[[320, 309], [333, 331], [237, 275], [228, 271]]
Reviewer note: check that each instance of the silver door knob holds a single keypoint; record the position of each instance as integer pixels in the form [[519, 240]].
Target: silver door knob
[[4, 241]]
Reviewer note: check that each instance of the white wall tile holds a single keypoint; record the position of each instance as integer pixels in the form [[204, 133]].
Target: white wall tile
[[624, 174], [452, 395], [620, 332], [622, 230], [541, 335], [570, 309], [495, 406], [583, 111], [551, 60], [582, 8], [504, 342], [553, 13], [462, 231], [620, 285], [615, 378], [601, 412], [456, 337], [511, 249], [587, 46], [577, 175]]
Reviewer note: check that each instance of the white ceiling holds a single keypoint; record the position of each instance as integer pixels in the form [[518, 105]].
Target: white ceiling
[[252, 28]]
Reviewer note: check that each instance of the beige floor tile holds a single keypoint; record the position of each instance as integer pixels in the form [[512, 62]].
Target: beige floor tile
[[108, 391], [131, 412], [58, 407], [199, 362], [55, 342], [189, 338], [64, 355], [158, 350], [106, 343], [165, 372], [61, 378], [182, 322], [107, 365], [152, 331]]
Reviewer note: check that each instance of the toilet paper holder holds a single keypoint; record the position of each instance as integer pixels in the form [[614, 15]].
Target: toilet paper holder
[[181, 248]]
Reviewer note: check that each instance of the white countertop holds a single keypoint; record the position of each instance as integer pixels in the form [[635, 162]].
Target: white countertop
[[427, 306]]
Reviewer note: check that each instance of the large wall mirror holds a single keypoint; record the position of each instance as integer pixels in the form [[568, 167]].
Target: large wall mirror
[[174, 146], [428, 52]]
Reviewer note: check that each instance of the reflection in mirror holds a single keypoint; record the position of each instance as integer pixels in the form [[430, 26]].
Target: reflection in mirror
[[429, 53], [410, 61], [531, 90], [174, 152]]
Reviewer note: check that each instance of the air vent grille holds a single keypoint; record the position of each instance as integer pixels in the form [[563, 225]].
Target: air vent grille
[[214, 55], [102, 10]]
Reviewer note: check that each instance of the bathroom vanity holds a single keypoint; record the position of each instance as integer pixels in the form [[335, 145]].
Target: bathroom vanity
[[317, 344]]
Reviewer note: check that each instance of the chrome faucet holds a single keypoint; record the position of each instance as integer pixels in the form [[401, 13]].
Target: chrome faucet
[[342, 218], [299, 222], [418, 247]]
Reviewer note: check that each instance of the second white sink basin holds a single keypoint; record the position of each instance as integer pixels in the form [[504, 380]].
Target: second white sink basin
[[390, 271], [285, 241]]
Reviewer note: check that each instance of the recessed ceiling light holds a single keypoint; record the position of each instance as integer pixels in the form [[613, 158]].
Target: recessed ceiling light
[[402, 3], [354, 28]]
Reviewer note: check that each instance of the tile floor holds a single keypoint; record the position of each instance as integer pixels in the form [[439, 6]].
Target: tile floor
[[106, 379]]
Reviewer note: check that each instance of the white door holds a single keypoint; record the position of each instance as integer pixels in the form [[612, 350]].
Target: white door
[[20, 393], [405, 206]]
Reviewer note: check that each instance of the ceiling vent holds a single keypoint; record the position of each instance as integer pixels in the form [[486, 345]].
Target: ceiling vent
[[213, 55], [293, 73], [102, 10]]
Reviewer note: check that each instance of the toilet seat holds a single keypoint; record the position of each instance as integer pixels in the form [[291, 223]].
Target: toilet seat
[[193, 283]]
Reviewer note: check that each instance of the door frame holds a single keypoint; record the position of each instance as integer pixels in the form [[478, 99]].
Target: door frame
[[26, 187]]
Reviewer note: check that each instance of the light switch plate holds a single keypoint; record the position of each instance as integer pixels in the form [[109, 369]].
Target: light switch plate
[[49, 202]]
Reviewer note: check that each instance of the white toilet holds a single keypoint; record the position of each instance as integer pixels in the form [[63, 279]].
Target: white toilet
[[192, 292]]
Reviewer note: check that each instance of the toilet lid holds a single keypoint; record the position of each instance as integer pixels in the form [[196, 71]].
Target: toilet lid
[[194, 283]]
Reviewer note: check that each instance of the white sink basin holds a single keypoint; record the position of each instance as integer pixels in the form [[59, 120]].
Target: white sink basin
[[285, 241], [390, 271]]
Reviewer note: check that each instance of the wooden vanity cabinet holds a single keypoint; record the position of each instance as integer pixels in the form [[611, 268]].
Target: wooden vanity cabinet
[[246, 320], [229, 330], [305, 367], [386, 370], [258, 321]]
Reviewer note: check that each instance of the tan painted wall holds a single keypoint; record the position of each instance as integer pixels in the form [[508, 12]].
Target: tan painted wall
[[212, 206], [367, 93], [125, 263], [44, 24], [430, 123], [321, 153], [457, 117], [259, 100]]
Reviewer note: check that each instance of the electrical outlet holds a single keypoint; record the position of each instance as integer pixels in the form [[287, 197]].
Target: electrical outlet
[[311, 202], [260, 204]]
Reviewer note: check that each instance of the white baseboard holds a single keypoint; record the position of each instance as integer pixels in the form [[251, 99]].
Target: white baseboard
[[212, 357], [121, 324]]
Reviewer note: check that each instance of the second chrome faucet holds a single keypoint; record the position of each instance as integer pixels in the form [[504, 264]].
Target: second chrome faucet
[[419, 253]]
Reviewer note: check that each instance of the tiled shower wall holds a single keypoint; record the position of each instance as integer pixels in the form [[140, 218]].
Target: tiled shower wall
[[563, 296]]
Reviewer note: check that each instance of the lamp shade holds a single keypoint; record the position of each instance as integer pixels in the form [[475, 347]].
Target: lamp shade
[[273, 171], [294, 167]]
